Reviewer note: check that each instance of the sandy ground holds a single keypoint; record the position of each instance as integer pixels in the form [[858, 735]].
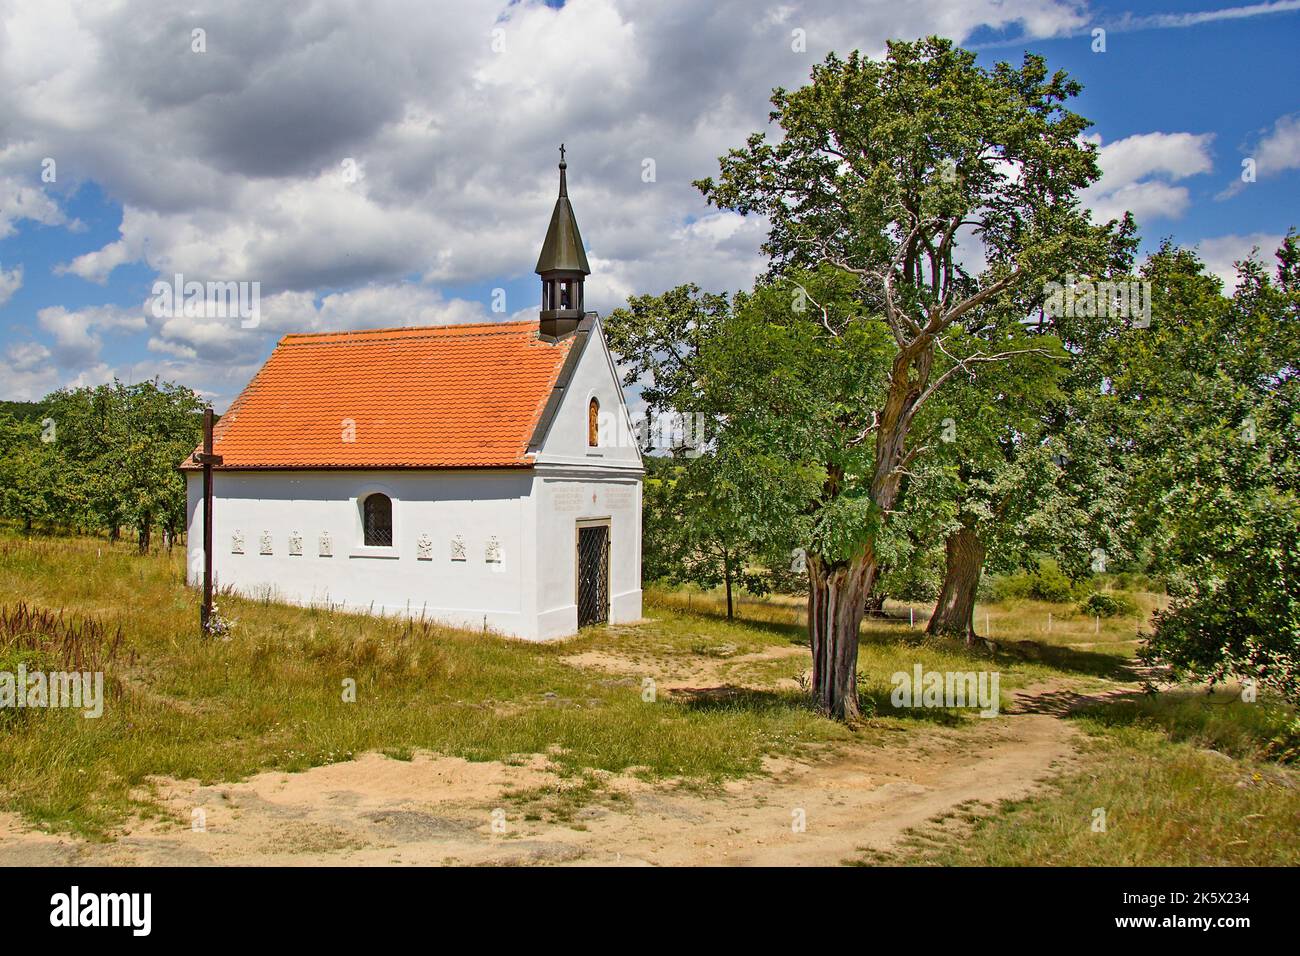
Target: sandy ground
[[442, 810]]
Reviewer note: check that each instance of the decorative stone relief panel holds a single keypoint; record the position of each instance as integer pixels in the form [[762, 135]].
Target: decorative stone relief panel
[[237, 542], [295, 542], [492, 553], [424, 547], [266, 543], [325, 545], [458, 548]]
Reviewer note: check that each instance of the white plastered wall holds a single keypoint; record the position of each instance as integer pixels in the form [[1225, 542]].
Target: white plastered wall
[[476, 505], [576, 483]]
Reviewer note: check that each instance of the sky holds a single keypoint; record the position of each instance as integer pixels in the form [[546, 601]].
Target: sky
[[388, 164]]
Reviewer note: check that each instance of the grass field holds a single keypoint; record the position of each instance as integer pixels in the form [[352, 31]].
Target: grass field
[[727, 695]]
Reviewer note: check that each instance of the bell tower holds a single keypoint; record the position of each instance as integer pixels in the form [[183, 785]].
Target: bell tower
[[562, 266]]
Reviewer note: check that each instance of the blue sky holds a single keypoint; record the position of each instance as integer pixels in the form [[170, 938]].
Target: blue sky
[[230, 162]]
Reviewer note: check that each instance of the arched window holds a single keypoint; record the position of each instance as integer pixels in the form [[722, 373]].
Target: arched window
[[593, 424], [378, 523]]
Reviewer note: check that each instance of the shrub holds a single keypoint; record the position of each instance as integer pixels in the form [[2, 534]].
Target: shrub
[[1051, 584], [1107, 605], [1010, 587], [1047, 583]]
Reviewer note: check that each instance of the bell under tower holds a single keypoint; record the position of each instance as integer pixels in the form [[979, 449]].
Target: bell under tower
[[562, 267]]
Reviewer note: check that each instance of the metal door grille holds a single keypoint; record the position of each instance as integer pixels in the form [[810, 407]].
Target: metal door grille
[[593, 575]]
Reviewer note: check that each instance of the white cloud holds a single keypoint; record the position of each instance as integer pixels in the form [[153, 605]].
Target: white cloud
[[76, 333], [1138, 172], [95, 266], [229, 165], [224, 340], [10, 282], [456, 149], [19, 201], [28, 356], [1220, 252], [1280, 149], [1276, 152], [27, 371]]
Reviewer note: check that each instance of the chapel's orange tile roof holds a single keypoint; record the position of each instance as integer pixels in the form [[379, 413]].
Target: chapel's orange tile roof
[[455, 396]]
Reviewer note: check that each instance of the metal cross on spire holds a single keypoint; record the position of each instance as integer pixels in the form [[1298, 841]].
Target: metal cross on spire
[[561, 152]]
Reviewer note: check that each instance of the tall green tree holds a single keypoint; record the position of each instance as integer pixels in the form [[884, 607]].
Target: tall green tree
[[1208, 402], [994, 454], [881, 170]]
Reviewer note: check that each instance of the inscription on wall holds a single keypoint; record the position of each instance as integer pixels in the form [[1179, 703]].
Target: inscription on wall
[[566, 500], [618, 497]]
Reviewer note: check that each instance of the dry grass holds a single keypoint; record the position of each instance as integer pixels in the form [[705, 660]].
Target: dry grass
[[270, 697]]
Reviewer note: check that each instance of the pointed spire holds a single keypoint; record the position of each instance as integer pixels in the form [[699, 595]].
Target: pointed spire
[[562, 251]]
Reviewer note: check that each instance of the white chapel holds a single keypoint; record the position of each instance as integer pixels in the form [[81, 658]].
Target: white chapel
[[478, 475]]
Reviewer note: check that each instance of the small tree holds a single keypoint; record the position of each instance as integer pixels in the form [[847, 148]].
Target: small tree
[[697, 530], [699, 525]]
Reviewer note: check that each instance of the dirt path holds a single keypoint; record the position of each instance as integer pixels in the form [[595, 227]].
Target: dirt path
[[440, 810]]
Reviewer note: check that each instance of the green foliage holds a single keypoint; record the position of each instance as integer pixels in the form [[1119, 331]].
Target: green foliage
[[916, 579], [29, 474], [1209, 403], [919, 139], [694, 530], [1101, 604], [797, 405], [658, 338], [23, 411], [102, 457], [1045, 583]]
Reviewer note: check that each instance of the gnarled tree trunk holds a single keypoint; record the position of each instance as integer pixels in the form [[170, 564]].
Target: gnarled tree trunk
[[954, 615], [837, 594], [837, 591]]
